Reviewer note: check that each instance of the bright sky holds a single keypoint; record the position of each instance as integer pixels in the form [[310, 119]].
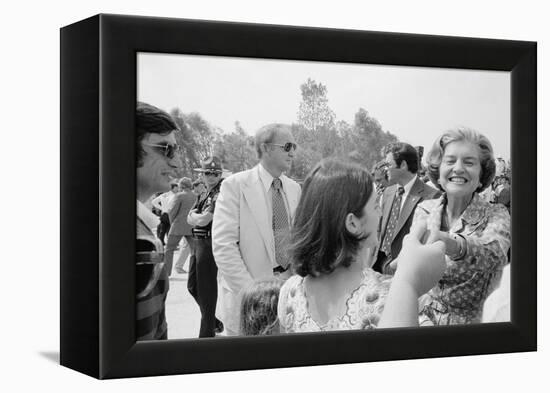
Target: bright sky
[[414, 103]]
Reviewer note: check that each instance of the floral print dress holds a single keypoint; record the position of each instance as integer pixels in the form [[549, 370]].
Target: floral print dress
[[466, 283], [363, 307]]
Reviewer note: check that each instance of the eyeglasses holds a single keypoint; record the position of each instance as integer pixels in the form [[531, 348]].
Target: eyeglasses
[[211, 173], [167, 150], [286, 147]]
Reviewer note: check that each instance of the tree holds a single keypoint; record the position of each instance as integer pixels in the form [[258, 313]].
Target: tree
[[369, 138], [316, 120], [314, 111], [236, 150], [304, 160], [319, 135], [195, 137]]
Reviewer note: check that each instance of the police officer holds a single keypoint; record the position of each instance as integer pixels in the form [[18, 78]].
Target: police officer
[[202, 282]]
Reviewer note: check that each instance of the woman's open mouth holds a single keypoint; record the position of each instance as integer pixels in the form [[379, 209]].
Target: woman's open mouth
[[458, 180]]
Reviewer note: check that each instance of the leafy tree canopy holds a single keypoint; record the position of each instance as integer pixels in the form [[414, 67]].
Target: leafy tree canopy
[[317, 132]]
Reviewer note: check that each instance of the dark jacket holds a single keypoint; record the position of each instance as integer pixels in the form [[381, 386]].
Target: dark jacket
[[419, 192], [182, 203]]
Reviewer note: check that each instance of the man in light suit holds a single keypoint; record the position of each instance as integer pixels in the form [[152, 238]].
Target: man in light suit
[[399, 202], [252, 221]]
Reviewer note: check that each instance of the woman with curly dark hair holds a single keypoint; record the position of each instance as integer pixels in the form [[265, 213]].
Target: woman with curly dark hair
[[476, 233]]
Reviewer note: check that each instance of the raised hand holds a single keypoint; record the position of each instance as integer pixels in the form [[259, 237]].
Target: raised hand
[[420, 265]]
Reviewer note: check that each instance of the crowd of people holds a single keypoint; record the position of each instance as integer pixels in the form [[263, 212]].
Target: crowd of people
[[349, 248]]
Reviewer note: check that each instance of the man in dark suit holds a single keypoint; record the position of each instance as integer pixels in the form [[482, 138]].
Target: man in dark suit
[[177, 212], [399, 201]]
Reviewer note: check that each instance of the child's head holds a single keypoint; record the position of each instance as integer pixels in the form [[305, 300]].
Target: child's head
[[259, 308]]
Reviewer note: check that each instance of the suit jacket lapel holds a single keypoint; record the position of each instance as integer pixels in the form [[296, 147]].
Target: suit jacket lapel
[[292, 197], [255, 198], [412, 199]]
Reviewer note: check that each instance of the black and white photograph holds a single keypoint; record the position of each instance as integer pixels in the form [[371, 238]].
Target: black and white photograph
[[222, 196], [278, 197]]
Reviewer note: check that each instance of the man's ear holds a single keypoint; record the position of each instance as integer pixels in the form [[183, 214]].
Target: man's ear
[[404, 165], [352, 224]]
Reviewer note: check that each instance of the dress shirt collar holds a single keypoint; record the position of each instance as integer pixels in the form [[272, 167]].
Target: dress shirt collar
[[267, 179]]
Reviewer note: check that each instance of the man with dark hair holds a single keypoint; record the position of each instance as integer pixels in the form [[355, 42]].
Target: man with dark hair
[[252, 221], [399, 201], [156, 164]]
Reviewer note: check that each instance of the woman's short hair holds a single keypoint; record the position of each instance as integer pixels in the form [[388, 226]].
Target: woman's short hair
[[321, 241], [486, 158], [259, 308]]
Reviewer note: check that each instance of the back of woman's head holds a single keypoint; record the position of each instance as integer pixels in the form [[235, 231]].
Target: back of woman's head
[[259, 308], [320, 240]]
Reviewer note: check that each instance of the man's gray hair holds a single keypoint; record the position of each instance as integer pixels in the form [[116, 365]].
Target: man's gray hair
[[266, 134]]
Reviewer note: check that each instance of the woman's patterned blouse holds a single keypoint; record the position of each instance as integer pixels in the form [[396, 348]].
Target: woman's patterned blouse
[[363, 307], [458, 298]]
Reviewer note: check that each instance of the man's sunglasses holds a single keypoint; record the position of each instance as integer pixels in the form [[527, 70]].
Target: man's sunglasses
[[286, 147], [211, 173], [167, 150]]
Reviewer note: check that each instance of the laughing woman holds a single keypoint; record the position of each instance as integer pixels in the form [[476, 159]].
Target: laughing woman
[[476, 234]]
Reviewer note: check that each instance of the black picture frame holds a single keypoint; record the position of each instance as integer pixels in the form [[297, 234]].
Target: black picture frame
[[98, 95]]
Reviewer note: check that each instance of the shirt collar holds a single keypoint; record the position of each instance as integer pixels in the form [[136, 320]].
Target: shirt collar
[[266, 178], [147, 216]]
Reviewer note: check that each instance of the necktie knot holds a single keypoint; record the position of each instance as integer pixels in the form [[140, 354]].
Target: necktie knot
[[277, 184], [400, 190]]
